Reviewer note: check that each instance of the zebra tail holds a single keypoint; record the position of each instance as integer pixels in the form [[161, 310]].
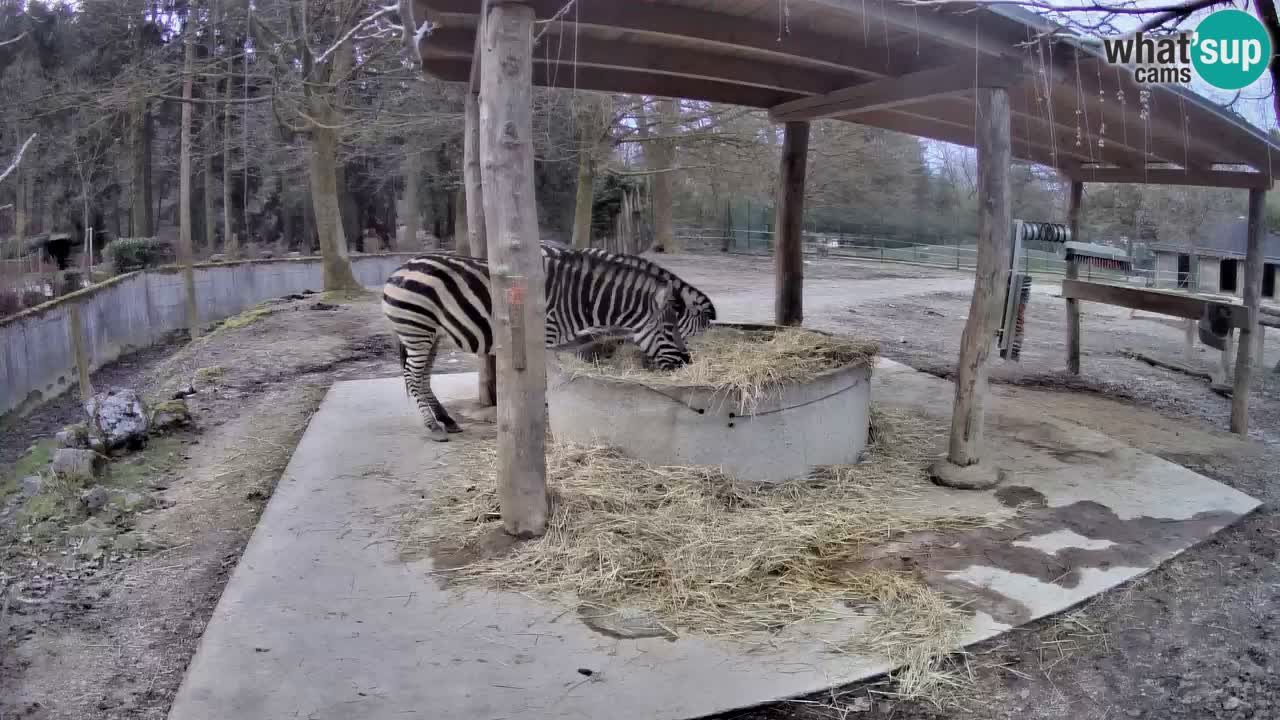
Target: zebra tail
[[404, 364]]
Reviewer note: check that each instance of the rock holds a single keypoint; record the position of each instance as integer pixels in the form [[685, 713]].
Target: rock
[[32, 485], [119, 419], [136, 541], [217, 257], [88, 528], [94, 499], [133, 501], [81, 466], [74, 436], [324, 306], [169, 415], [1231, 703], [295, 253], [94, 546]]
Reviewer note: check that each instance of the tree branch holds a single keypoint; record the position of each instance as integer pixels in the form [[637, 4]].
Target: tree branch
[[13, 40], [17, 159]]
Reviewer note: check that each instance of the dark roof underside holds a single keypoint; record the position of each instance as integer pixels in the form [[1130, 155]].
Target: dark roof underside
[[917, 66]]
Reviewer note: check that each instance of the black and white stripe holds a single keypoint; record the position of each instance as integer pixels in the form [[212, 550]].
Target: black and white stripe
[[588, 296]]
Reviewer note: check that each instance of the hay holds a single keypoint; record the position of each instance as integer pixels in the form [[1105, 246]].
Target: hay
[[748, 364], [708, 555]]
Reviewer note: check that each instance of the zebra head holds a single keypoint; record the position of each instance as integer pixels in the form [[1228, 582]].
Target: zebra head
[[694, 311], [664, 349]]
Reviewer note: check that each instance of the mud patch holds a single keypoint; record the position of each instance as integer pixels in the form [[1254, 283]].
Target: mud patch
[[448, 557], [623, 625], [1115, 542]]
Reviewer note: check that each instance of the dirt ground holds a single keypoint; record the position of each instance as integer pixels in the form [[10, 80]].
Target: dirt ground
[[1193, 639]]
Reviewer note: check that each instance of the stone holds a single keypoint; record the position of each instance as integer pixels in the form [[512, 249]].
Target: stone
[[217, 257], [32, 485], [1231, 703], [978, 476], [94, 546], [74, 436], [81, 466], [170, 415], [136, 541], [118, 418], [94, 499], [131, 501]]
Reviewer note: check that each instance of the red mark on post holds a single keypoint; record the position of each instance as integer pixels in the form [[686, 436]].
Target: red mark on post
[[515, 295]]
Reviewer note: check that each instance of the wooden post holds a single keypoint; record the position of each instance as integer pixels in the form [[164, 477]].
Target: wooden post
[[961, 467], [476, 242], [1189, 348], [1252, 299], [515, 265], [75, 326], [1073, 272], [789, 225]]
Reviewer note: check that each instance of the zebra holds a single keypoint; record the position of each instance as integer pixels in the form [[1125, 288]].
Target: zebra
[[587, 296], [694, 310]]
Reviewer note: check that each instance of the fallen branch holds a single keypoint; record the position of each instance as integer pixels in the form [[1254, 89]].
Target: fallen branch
[[1167, 364], [17, 160]]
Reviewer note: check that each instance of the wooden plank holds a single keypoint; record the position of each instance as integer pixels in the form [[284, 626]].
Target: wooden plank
[[710, 29], [1073, 272], [476, 46], [1173, 176], [564, 56], [894, 91], [990, 277], [789, 225], [1252, 299], [477, 238], [75, 328], [515, 266], [1148, 300], [637, 82]]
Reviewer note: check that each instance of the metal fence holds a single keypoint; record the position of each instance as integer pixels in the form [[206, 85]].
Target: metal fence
[[884, 250]]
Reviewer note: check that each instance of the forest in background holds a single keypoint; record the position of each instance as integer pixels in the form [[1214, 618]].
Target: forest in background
[[230, 126]]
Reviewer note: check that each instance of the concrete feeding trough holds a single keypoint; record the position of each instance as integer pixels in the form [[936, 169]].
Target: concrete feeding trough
[[784, 434]]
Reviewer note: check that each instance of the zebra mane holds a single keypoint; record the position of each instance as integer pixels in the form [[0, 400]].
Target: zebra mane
[[637, 263]]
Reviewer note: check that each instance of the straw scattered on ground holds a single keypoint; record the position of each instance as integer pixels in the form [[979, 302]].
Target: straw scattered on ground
[[705, 554], [747, 364]]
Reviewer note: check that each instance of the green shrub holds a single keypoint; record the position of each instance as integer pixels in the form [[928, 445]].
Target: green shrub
[[136, 253]]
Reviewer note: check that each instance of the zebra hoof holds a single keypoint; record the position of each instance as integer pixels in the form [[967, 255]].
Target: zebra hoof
[[438, 435], [452, 429]]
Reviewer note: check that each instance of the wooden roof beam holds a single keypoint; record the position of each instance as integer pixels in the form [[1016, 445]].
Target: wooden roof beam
[[893, 92], [608, 80], [1023, 148], [635, 57], [638, 18], [1174, 176], [955, 28]]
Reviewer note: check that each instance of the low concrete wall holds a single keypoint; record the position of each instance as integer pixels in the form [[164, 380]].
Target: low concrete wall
[[132, 311], [786, 435]]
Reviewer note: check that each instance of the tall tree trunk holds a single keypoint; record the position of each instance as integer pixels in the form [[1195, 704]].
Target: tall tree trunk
[[411, 200], [230, 239], [184, 179], [586, 194], [139, 197], [462, 230], [323, 169], [21, 194], [663, 159], [208, 147]]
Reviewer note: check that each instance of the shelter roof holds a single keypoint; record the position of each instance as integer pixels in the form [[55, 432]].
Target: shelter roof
[[887, 64]]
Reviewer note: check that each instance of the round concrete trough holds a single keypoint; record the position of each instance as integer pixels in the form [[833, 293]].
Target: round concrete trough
[[804, 425]]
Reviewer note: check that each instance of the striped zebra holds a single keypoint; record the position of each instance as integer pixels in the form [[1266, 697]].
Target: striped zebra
[[587, 296]]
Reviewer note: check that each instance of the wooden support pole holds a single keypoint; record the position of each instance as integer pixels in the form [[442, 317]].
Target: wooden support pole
[[789, 225], [1252, 299], [1073, 272], [75, 327], [515, 266], [1189, 348], [961, 467], [477, 243]]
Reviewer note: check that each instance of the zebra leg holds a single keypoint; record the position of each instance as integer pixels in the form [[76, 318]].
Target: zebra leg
[[417, 376]]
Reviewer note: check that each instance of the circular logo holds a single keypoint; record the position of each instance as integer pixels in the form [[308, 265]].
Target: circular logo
[[1232, 49]]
